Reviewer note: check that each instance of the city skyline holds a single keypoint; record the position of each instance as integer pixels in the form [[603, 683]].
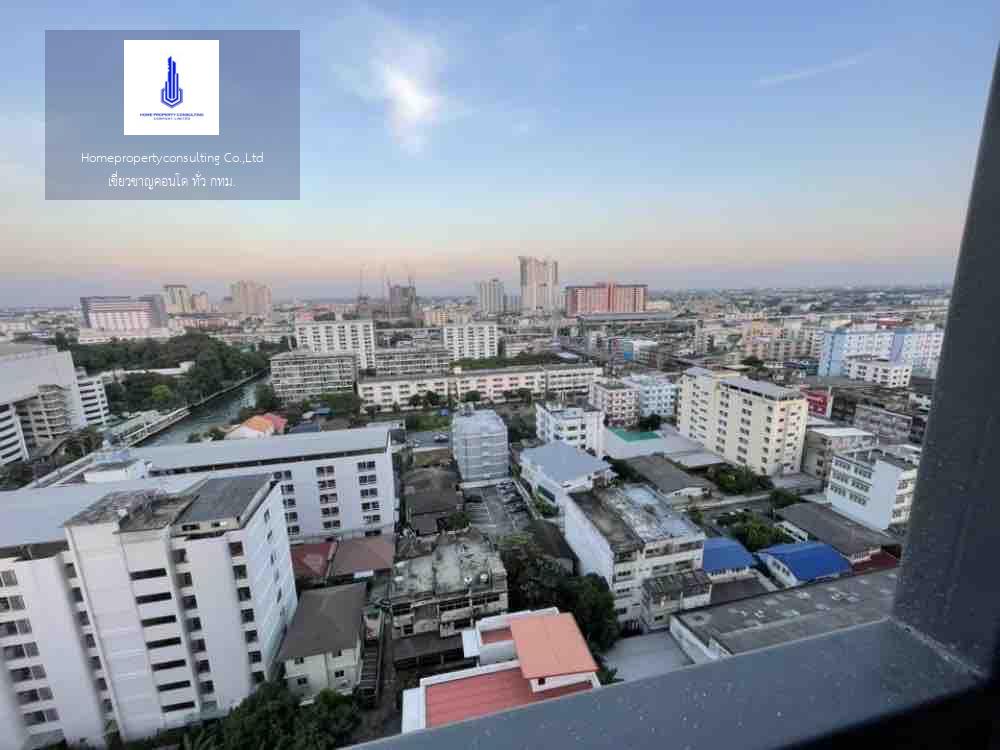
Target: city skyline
[[800, 146]]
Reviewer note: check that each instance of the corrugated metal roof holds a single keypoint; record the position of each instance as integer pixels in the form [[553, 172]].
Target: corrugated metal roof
[[809, 560], [722, 553]]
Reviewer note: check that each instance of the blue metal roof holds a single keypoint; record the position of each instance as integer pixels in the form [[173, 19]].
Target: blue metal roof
[[722, 553], [809, 560]]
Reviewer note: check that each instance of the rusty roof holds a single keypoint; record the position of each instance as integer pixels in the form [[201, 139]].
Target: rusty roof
[[550, 646]]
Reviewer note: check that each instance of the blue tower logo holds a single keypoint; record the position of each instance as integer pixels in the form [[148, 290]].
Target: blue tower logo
[[172, 94]]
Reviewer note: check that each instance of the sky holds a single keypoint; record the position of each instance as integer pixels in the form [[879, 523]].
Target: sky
[[724, 144]]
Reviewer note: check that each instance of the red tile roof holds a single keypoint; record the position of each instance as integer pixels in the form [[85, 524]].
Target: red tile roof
[[312, 560], [468, 698], [278, 422], [496, 636], [878, 561], [551, 645], [362, 554]]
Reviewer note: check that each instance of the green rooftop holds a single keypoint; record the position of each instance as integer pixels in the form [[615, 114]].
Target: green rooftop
[[632, 436]]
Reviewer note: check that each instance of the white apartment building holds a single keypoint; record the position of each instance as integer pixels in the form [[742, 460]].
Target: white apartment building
[[657, 393], [491, 385], [101, 336], [581, 427], [338, 483], [754, 424], [40, 399], [491, 297], [619, 402], [919, 347], [411, 360], [124, 313], [93, 398], [138, 610], [339, 337], [479, 444], [884, 372], [650, 555], [250, 298], [875, 485], [822, 443], [554, 470], [303, 374], [539, 285], [471, 340]]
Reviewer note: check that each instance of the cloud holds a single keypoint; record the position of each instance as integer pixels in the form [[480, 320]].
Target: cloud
[[385, 63], [811, 72]]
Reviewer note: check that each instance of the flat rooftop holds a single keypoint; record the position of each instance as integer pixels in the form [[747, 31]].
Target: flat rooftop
[[901, 456], [275, 448], [781, 616], [664, 475], [634, 515], [563, 462], [431, 489], [453, 563], [837, 431], [762, 388], [827, 525], [223, 497]]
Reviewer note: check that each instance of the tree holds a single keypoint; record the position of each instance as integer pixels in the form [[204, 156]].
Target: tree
[[431, 399], [395, 407], [456, 521], [371, 411], [471, 397], [651, 423], [161, 395], [216, 434], [342, 403], [416, 400], [18, 473], [525, 394], [328, 723], [194, 437], [754, 362], [267, 718], [265, 398], [783, 498]]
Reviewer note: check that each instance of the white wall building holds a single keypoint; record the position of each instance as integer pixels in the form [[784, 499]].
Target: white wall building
[[650, 555], [303, 374], [919, 346], [411, 360], [93, 398], [750, 423], [479, 443], [338, 483], [539, 285], [619, 402], [491, 297], [339, 336], [581, 427], [657, 393], [138, 610], [555, 469], [471, 340], [884, 372], [875, 485], [822, 443]]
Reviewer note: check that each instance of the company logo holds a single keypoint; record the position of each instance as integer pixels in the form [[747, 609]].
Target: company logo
[[172, 94]]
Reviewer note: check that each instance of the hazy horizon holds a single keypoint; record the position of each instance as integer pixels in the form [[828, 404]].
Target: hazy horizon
[[630, 141]]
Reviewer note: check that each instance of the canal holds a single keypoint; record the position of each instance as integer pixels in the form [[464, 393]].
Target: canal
[[217, 413]]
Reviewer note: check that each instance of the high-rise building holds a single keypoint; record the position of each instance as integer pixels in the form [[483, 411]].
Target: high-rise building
[[539, 285], [142, 608], [657, 393], [250, 298], [919, 347], [471, 341], [403, 300], [124, 313], [619, 402], [754, 424], [43, 397], [606, 298], [200, 302], [302, 374], [339, 336], [178, 298], [491, 297]]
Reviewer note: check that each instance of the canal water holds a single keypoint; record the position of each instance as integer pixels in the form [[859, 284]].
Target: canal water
[[217, 413]]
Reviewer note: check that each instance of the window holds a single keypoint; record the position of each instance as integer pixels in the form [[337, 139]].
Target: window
[[175, 664], [250, 636], [189, 602], [142, 575], [298, 660], [331, 524], [173, 685], [8, 578], [185, 706], [184, 579], [193, 624], [165, 620], [70, 570], [239, 572], [163, 596], [338, 673], [206, 687], [255, 657], [293, 530], [236, 549], [301, 681], [243, 593], [180, 556], [247, 615], [163, 643]]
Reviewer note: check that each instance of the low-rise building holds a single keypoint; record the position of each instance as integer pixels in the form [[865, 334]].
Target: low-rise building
[[619, 402], [302, 374], [875, 485], [807, 521], [888, 426], [822, 443], [579, 426], [650, 555], [444, 585], [430, 494], [726, 559], [411, 361], [324, 645], [657, 394], [796, 563], [777, 617], [670, 481], [555, 469], [884, 372], [525, 657], [479, 444], [258, 426]]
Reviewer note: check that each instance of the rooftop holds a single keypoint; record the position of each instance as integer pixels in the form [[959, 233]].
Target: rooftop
[[326, 621], [634, 515], [827, 525], [483, 694], [223, 497], [779, 617], [550, 540], [634, 436], [835, 432], [431, 490], [453, 563], [276, 448], [312, 560], [722, 553], [477, 422], [563, 462], [762, 388], [664, 475], [673, 584], [900, 456], [361, 554], [809, 561], [550, 646]]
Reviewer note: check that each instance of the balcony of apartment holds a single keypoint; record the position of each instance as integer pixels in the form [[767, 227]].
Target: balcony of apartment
[[926, 675]]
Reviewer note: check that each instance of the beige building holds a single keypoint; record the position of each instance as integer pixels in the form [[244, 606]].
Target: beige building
[[338, 337], [618, 401], [471, 340], [303, 374], [751, 423], [877, 370]]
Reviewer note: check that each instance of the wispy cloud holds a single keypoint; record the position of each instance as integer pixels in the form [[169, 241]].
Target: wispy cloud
[[382, 61], [811, 72]]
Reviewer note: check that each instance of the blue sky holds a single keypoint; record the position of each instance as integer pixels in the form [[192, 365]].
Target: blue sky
[[674, 143]]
